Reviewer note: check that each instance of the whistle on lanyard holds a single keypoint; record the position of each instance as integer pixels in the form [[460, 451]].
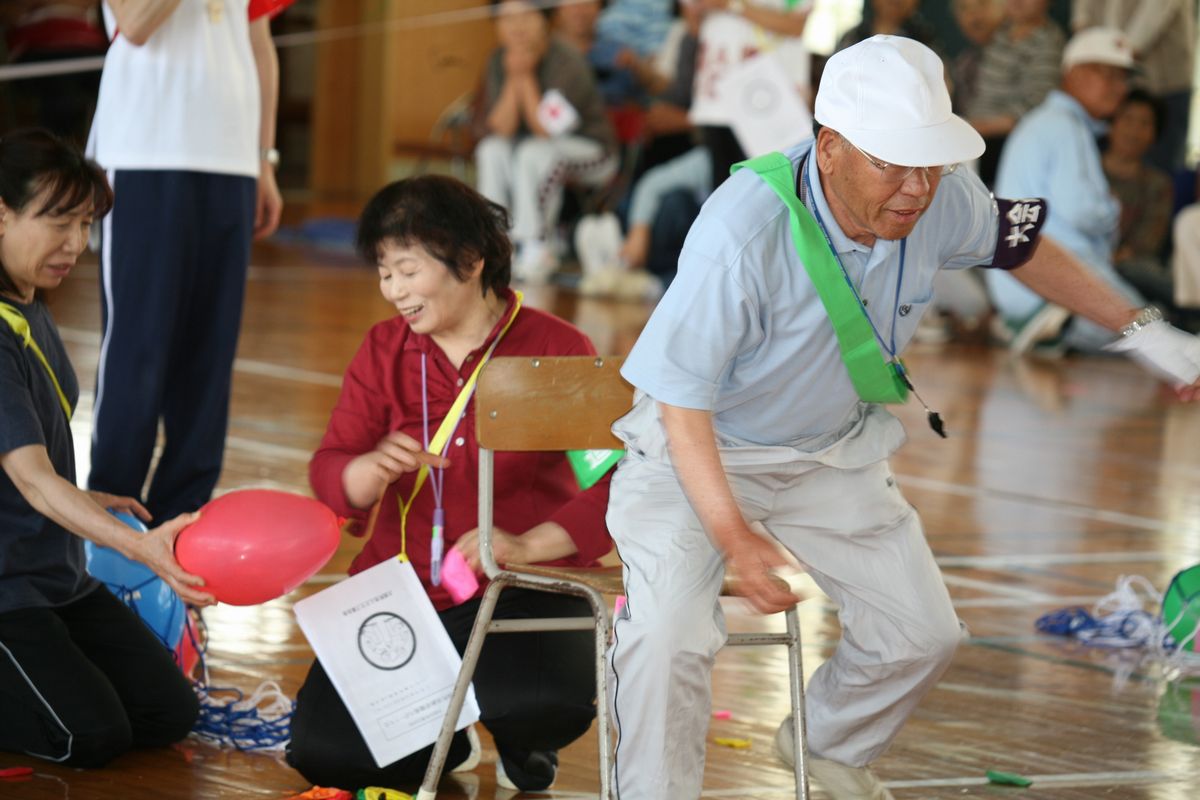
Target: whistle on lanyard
[[435, 547]]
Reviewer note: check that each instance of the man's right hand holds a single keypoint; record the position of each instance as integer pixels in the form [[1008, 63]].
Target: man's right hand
[[749, 562]]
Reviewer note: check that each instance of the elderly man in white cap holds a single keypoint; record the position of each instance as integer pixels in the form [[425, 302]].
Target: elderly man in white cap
[[1052, 154], [758, 425]]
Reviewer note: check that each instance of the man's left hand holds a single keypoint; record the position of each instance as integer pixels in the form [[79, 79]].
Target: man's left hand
[[1168, 353]]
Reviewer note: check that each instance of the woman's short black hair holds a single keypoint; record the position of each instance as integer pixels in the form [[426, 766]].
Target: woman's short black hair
[[1157, 108], [453, 222], [37, 165]]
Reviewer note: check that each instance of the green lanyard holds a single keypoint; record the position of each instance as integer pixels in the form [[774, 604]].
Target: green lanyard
[[20, 326], [875, 378]]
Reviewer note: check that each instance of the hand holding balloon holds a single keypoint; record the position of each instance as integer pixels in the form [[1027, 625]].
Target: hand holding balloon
[[156, 550], [254, 545]]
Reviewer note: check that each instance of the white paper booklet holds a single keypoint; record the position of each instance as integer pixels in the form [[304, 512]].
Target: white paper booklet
[[768, 112], [385, 650]]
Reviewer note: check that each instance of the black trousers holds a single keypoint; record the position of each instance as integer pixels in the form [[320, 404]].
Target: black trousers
[[82, 683], [536, 691], [173, 260]]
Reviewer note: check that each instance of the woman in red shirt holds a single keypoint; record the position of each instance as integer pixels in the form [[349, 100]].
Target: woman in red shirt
[[444, 261]]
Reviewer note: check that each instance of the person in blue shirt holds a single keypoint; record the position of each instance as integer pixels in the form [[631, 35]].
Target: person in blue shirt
[[1053, 154], [749, 449]]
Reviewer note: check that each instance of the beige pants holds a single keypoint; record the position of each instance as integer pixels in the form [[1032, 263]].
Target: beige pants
[[858, 537]]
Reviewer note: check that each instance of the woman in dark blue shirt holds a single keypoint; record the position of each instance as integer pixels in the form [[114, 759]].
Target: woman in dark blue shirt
[[82, 679]]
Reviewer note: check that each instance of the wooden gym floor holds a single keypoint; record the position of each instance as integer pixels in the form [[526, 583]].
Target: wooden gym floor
[[1058, 477]]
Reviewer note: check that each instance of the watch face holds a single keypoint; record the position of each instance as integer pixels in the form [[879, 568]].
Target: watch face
[[386, 641]]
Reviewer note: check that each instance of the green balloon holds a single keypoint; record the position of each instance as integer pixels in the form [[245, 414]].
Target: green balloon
[[1181, 606]]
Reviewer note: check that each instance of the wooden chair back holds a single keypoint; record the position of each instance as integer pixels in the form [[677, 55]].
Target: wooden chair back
[[550, 403]]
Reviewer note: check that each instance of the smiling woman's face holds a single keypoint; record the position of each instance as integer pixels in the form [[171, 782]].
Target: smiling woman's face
[[37, 251], [424, 290]]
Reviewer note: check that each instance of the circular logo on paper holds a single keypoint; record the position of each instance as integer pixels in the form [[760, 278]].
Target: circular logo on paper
[[386, 641], [760, 97]]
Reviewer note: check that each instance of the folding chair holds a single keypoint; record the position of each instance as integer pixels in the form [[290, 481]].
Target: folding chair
[[566, 403]]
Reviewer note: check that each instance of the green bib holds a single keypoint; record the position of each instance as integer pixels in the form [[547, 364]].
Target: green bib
[[874, 377]]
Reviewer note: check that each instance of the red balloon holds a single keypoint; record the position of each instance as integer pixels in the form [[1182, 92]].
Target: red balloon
[[254, 545]]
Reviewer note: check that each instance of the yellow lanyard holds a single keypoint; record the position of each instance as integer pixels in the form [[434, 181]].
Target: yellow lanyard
[[20, 326], [446, 429]]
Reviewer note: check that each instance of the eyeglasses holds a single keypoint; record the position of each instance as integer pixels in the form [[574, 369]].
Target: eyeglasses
[[894, 173]]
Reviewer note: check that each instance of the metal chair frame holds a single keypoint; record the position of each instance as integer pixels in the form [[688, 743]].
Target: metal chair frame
[[568, 382]]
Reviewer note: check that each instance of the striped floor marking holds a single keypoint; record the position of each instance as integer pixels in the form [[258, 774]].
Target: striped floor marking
[[1062, 780]]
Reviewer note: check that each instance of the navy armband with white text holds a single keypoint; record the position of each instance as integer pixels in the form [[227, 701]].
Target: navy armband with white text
[[1020, 223]]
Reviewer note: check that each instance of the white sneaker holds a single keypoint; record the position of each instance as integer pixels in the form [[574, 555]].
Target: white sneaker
[[534, 262], [847, 783], [544, 766], [838, 780], [502, 779], [1043, 325], [638, 285], [472, 760], [598, 242]]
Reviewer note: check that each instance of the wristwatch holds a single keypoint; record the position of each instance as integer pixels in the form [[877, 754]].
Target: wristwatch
[[1144, 317], [270, 155]]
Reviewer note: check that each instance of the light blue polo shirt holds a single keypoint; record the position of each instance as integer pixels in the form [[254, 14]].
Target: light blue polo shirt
[[742, 333]]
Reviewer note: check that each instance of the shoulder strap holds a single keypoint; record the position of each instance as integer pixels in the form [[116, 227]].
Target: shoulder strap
[[875, 380], [20, 326]]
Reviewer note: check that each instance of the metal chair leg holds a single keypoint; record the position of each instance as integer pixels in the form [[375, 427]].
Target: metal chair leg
[[602, 630], [796, 690], [441, 747]]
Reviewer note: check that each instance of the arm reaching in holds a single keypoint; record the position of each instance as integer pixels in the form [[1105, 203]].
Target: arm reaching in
[[58, 499], [749, 558]]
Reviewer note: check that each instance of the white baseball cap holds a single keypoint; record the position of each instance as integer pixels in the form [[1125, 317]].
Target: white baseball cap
[[887, 95], [1098, 46]]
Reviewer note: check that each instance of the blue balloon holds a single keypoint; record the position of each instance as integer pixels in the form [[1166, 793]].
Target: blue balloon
[[138, 587]]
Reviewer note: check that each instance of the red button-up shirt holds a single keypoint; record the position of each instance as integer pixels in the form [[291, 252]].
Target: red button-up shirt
[[381, 392]]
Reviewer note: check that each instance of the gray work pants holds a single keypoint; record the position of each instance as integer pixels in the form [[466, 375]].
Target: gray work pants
[[858, 537]]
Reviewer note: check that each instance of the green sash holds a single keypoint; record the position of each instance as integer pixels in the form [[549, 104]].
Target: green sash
[[874, 377]]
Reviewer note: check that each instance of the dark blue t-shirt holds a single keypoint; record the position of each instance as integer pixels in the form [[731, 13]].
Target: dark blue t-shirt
[[41, 563]]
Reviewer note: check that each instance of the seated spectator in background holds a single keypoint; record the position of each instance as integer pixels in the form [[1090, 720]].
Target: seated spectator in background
[[627, 26], [665, 199], [733, 31], [1162, 34], [666, 129], [1020, 66], [575, 23], [545, 125], [1052, 154], [1145, 194], [891, 18], [978, 20]]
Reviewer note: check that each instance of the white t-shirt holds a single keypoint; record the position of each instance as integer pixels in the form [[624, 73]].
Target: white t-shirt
[[187, 99], [726, 40]]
